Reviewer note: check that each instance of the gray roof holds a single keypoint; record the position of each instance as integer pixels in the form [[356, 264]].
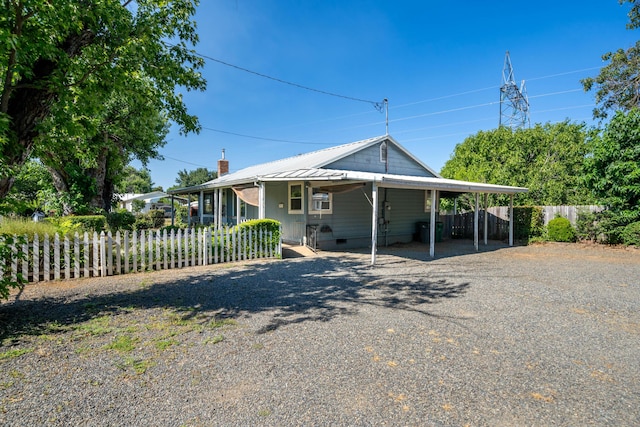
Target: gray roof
[[310, 167]]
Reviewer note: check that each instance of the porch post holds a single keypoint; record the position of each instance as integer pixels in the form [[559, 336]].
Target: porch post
[[189, 210], [511, 217], [219, 211], [475, 223], [374, 221], [173, 212], [432, 225], [238, 208], [486, 218], [201, 206], [262, 197], [215, 208]]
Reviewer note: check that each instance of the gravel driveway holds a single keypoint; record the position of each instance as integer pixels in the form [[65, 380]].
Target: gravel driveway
[[538, 335]]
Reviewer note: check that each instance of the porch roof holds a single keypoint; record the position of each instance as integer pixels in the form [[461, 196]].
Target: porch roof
[[391, 181]]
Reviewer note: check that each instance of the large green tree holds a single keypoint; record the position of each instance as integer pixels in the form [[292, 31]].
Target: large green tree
[[612, 170], [134, 181], [547, 159], [59, 52], [617, 86], [194, 177]]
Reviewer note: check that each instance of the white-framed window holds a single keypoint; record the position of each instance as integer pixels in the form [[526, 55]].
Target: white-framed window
[[295, 197], [320, 202], [427, 201], [384, 152]]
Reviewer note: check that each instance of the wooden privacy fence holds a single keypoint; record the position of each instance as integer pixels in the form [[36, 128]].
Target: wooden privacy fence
[[54, 258]]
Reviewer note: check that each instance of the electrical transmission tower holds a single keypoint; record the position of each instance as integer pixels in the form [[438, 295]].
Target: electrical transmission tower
[[514, 104]]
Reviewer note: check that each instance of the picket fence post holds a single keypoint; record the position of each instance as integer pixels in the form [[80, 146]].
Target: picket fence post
[[36, 258]]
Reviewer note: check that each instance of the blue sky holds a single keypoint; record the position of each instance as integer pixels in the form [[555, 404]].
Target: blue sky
[[439, 63]]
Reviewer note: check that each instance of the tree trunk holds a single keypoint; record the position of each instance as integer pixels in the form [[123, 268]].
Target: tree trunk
[[60, 183], [30, 103], [99, 174]]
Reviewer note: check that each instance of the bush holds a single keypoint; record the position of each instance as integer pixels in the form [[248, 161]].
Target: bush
[[560, 230], [589, 227], [6, 257], [121, 219], [80, 224], [631, 234], [157, 217], [528, 222], [22, 226]]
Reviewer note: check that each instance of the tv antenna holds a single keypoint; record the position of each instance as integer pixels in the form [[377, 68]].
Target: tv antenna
[[514, 103]]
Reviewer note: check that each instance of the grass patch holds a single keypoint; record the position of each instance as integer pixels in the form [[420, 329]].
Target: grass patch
[[214, 340], [96, 326], [220, 323], [12, 354], [139, 366], [165, 344], [123, 343]]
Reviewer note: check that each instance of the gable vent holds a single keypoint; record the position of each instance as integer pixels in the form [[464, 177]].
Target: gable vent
[[383, 152]]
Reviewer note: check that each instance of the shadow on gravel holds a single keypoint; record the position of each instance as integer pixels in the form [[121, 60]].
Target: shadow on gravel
[[289, 292]]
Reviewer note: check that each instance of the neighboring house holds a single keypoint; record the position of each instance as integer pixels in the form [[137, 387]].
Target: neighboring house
[[152, 201], [352, 195]]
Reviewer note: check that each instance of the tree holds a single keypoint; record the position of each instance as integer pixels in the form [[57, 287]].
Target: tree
[[58, 51], [546, 159], [618, 83], [195, 177], [33, 190], [612, 170], [91, 153], [135, 181]]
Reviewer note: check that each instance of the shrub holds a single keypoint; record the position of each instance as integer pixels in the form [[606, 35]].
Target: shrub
[[528, 222], [631, 234], [80, 224], [143, 222], [589, 227], [21, 226], [7, 255], [560, 230], [121, 219], [157, 217]]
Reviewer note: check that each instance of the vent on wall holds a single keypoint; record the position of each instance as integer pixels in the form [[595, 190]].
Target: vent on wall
[[383, 152], [341, 241]]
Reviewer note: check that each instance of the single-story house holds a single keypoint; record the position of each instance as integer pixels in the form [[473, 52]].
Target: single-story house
[[152, 201], [353, 195]]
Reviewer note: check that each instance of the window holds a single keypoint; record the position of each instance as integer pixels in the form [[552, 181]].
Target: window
[[295, 198], [320, 202], [383, 152], [427, 201], [208, 204]]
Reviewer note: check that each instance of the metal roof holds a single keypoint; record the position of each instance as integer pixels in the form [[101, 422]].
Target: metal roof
[[309, 167]]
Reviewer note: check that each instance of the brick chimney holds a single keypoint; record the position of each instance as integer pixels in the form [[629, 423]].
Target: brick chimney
[[223, 165]]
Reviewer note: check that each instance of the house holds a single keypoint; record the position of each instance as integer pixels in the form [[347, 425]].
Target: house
[[353, 195], [152, 201]]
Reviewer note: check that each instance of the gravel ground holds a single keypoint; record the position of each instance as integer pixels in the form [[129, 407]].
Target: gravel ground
[[538, 335]]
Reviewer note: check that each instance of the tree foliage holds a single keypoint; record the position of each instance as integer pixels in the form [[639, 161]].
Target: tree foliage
[[33, 191], [77, 59], [134, 181], [617, 85], [612, 170], [194, 177], [546, 159]]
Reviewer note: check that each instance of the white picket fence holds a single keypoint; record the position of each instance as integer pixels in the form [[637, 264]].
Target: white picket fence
[[55, 258]]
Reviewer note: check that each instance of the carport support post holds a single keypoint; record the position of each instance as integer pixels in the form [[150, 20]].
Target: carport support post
[[374, 221], [238, 209], [511, 220], [475, 223], [262, 209], [486, 218], [173, 212], [432, 225]]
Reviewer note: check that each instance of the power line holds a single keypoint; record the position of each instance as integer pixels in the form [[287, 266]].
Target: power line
[[263, 138], [184, 161], [377, 105]]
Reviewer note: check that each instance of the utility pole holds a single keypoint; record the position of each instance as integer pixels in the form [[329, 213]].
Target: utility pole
[[514, 103]]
